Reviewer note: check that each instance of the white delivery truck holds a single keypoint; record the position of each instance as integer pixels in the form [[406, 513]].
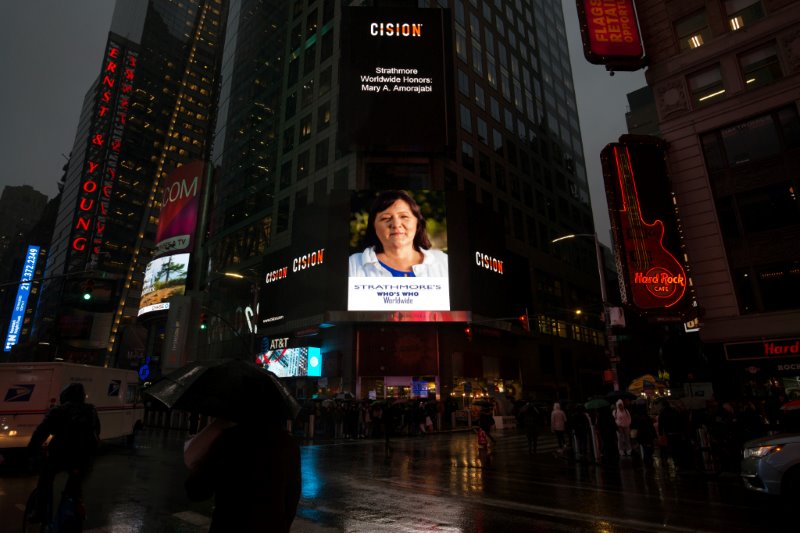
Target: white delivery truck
[[29, 390]]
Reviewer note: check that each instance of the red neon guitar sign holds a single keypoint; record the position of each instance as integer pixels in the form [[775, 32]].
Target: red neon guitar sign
[[656, 278]]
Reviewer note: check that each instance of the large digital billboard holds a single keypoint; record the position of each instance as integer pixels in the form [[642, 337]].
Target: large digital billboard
[[293, 362], [398, 252], [180, 205], [336, 266], [394, 79], [163, 277]]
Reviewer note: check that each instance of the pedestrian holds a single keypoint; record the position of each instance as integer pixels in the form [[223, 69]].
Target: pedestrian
[[642, 430], [607, 429], [75, 428], [671, 427], [558, 424], [581, 424], [486, 422], [530, 421], [622, 417], [252, 469]]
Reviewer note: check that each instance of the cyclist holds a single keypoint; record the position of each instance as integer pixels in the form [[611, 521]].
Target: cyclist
[[75, 428]]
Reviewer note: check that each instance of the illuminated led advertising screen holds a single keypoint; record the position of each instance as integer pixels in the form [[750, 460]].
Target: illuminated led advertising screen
[[644, 222], [21, 300], [393, 79], [400, 255], [398, 252], [180, 205], [163, 277], [293, 362]]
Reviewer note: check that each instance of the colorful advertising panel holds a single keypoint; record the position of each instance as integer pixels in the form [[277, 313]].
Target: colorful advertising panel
[[393, 79], [179, 208], [610, 33], [644, 222], [292, 362], [21, 300], [163, 277], [398, 245]]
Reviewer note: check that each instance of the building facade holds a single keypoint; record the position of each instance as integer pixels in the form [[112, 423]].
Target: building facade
[[513, 159], [151, 109], [725, 75]]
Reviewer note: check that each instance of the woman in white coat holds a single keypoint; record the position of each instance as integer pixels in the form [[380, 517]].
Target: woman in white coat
[[623, 419]]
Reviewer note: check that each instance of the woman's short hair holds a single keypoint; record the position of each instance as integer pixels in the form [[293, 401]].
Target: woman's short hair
[[384, 201]]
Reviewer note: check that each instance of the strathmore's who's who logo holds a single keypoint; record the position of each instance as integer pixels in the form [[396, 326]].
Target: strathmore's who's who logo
[[395, 29]]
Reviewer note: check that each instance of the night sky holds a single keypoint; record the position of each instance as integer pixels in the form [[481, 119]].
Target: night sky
[[51, 50]]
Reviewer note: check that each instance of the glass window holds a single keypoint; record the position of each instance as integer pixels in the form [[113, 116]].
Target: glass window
[[483, 130], [743, 12], [291, 105], [467, 156], [324, 81], [302, 165], [477, 57], [706, 86], [760, 66], [324, 116], [767, 208], [461, 45], [307, 94], [479, 97], [692, 31], [294, 71], [466, 118], [305, 128], [485, 166], [326, 48], [497, 142], [491, 73], [311, 23], [309, 61], [321, 154], [463, 82], [288, 139], [494, 107], [750, 141]]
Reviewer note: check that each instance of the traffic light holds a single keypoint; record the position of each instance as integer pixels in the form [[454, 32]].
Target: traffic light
[[468, 333], [523, 320], [87, 290], [203, 321]]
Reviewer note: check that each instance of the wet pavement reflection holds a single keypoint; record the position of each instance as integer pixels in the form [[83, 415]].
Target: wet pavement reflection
[[440, 482]]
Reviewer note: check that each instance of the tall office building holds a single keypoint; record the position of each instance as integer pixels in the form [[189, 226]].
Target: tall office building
[[487, 139], [726, 78], [151, 110]]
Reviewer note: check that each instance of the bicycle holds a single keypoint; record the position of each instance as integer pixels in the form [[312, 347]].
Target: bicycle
[[69, 517]]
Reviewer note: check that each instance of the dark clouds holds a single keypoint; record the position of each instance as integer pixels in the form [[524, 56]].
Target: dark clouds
[[51, 50], [602, 103]]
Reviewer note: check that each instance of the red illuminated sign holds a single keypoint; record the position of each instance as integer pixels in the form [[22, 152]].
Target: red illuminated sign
[[611, 34], [103, 147], [653, 278]]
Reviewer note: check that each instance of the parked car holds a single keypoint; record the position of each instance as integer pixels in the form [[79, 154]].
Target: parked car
[[772, 464]]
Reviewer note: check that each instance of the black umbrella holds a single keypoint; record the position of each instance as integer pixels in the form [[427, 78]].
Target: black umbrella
[[615, 395], [227, 388]]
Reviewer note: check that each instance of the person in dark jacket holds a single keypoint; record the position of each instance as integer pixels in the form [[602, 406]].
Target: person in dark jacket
[[75, 428], [253, 471]]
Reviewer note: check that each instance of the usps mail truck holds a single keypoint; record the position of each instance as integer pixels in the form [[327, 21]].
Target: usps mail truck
[[29, 390]]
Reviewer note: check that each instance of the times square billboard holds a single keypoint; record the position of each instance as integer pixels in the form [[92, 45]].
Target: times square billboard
[[395, 79], [336, 263]]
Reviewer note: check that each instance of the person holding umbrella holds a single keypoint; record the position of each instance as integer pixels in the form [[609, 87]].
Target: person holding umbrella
[[251, 466]]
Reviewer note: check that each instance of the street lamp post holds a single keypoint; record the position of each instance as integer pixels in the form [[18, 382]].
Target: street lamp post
[[601, 271]]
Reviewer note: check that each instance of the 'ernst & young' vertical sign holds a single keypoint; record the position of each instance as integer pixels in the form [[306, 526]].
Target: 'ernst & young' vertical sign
[[394, 85]]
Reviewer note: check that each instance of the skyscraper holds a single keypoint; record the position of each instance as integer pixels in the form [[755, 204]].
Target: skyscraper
[[151, 109], [497, 153]]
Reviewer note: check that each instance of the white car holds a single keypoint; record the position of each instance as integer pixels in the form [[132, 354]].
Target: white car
[[772, 464]]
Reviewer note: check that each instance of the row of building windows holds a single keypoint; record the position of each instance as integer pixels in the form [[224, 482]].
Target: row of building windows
[[693, 30], [758, 67]]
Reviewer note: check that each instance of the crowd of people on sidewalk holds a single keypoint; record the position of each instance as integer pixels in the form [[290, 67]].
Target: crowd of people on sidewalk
[[709, 438]]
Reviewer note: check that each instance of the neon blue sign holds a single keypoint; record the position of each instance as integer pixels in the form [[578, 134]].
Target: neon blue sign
[[21, 301]]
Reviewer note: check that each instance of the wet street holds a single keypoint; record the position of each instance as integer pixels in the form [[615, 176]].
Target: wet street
[[433, 483]]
